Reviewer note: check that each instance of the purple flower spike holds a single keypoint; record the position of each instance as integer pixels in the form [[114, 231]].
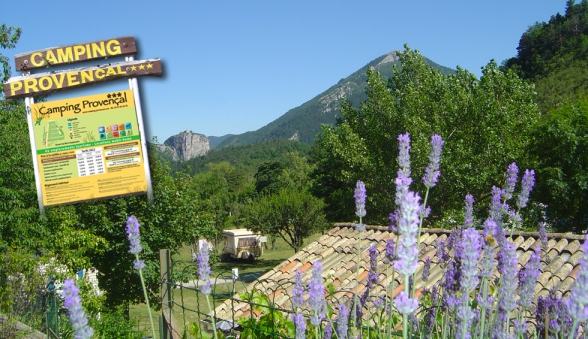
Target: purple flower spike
[[77, 317], [297, 290], [133, 235], [204, 268], [300, 324], [342, 325], [526, 186], [496, 206], [577, 302], [404, 153], [139, 265], [390, 250], [426, 269], [469, 211], [508, 271], [432, 171], [328, 331], [470, 253], [543, 235], [408, 224], [360, 196], [316, 294], [511, 180], [404, 304], [528, 279]]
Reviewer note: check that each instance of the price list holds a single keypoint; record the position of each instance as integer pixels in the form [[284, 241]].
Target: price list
[[90, 161]]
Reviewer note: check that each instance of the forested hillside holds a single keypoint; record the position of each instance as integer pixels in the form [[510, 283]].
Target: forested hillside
[[554, 56], [246, 157]]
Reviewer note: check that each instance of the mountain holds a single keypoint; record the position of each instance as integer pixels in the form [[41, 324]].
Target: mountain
[[185, 146], [215, 141], [304, 122]]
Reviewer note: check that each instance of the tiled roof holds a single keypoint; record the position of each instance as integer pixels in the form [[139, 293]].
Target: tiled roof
[[337, 250]]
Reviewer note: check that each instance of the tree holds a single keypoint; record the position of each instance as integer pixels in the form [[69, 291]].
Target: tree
[[292, 214], [266, 178], [561, 147], [484, 122], [9, 37]]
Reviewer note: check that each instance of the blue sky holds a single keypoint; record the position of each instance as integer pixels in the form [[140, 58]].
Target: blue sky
[[235, 66]]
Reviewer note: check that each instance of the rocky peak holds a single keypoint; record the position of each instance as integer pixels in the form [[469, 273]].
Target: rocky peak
[[186, 145]]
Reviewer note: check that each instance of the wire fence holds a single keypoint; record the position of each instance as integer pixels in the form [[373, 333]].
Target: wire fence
[[236, 304]]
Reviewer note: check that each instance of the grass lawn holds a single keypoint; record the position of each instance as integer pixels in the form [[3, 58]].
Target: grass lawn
[[248, 271]]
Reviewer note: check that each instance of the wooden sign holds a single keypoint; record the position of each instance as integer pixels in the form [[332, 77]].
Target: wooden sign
[[50, 82], [55, 56]]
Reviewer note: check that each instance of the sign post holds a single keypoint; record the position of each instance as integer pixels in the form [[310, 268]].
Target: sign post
[[90, 147]]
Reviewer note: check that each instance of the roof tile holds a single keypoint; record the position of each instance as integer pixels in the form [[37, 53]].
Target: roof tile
[[337, 250]]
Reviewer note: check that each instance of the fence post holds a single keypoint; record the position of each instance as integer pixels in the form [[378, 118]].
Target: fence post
[[165, 293]]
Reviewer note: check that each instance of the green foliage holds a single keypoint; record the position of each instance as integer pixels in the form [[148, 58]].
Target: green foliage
[[247, 158], [266, 178], [554, 55], [484, 122], [269, 322], [291, 213], [561, 147], [9, 37]]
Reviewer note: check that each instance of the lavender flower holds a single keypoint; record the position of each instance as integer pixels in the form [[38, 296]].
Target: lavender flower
[[496, 206], [487, 261], [393, 225], [360, 195], [403, 179], [373, 271], [432, 171], [297, 290], [508, 272], [404, 304], [528, 279], [426, 269], [300, 324], [342, 325], [469, 211], [408, 228], [526, 186], [139, 264], [404, 153], [204, 268], [470, 253], [442, 251], [390, 256], [511, 181], [328, 331], [577, 303], [77, 317], [316, 294], [133, 235], [543, 236]]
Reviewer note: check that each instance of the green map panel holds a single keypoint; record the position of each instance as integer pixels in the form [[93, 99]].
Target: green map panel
[[55, 133]]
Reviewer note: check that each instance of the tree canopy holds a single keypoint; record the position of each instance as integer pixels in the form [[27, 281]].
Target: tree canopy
[[484, 122]]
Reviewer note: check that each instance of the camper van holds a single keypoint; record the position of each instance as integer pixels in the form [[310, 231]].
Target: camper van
[[242, 244]]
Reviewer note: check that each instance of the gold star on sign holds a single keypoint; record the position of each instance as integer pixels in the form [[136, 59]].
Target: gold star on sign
[[149, 65], [133, 68], [141, 66]]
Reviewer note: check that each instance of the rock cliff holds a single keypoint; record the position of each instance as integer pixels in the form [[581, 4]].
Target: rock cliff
[[186, 145]]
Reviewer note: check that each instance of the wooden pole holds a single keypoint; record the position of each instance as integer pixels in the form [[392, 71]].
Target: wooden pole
[[165, 293]]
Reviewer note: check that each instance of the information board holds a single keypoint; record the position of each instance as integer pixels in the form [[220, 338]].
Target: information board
[[89, 148]]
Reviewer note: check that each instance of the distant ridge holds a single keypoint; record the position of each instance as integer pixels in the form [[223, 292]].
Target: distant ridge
[[304, 122]]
